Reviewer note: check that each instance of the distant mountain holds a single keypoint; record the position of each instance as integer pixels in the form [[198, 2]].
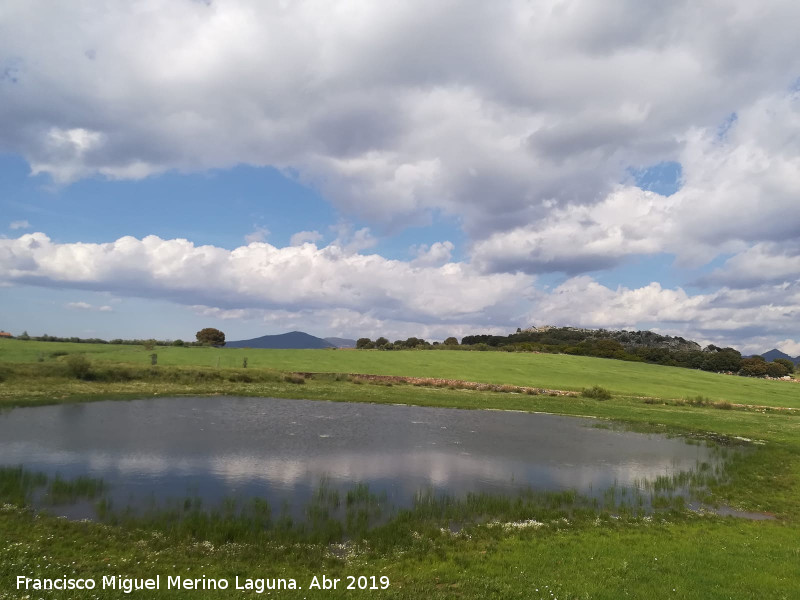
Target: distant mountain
[[292, 340], [775, 353], [341, 342]]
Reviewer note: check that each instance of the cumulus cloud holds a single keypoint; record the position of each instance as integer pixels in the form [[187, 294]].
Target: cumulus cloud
[[351, 240], [761, 263], [738, 196], [262, 276], [87, 306], [790, 347], [435, 254], [339, 292], [522, 121], [259, 234], [19, 225], [580, 238], [303, 237], [493, 112]]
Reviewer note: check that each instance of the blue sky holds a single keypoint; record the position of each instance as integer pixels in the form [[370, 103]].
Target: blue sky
[[412, 171]]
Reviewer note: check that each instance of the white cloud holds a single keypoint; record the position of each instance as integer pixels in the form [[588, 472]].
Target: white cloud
[[738, 195], [436, 254], [520, 120], [302, 237], [761, 263], [495, 113], [259, 234], [790, 347], [344, 293], [87, 306], [350, 240], [746, 319], [19, 225], [579, 238], [262, 276]]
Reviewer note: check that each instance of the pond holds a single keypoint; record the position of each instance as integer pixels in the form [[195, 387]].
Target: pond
[[151, 451]]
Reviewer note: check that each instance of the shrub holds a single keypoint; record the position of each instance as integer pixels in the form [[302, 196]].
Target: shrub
[[78, 366], [596, 392], [776, 369]]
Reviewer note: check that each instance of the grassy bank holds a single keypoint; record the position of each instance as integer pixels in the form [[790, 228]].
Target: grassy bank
[[674, 555]]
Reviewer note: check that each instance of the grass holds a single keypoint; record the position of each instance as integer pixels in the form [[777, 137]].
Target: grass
[[553, 371], [526, 555]]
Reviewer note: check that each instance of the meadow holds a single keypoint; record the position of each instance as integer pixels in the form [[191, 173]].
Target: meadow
[[673, 554], [552, 371]]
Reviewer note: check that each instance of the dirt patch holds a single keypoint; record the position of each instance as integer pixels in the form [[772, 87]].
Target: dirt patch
[[450, 383]]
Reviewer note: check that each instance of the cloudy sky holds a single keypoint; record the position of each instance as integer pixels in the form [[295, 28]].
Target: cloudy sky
[[401, 168]]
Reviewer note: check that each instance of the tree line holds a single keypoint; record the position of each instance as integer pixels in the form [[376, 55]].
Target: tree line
[[208, 336]]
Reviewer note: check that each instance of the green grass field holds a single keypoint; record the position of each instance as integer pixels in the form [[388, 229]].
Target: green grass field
[[553, 371], [672, 555]]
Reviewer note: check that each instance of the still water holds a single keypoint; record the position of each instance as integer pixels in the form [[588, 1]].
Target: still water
[[213, 448]]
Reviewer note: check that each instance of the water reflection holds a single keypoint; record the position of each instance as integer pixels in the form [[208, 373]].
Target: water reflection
[[281, 449]]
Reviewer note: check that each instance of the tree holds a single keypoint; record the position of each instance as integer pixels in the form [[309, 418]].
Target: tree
[[24, 336], [381, 341], [451, 341], [776, 369], [786, 363], [364, 343], [211, 337], [753, 367]]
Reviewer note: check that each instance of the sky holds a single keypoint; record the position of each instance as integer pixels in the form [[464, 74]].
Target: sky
[[401, 168]]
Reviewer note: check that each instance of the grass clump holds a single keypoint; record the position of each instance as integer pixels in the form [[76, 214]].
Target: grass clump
[[703, 401], [597, 392], [78, 366], [63, 491]]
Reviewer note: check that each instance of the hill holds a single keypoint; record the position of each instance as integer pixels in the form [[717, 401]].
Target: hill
[[341, 342], [775, 353], [284, 341]]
